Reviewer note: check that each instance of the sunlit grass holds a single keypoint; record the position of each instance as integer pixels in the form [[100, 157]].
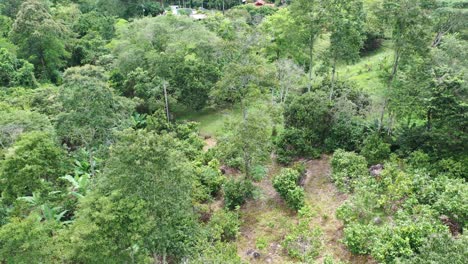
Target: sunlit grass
[[212, 120], [365, 73]]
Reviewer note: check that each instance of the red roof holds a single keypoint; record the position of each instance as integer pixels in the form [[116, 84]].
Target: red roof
[[259, 2]]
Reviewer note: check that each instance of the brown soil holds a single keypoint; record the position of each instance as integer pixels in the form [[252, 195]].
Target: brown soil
[[209, 143], [325, 199], [267, 220], [264, 224]]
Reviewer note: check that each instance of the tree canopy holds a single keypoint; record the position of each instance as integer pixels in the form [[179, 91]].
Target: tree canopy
[[229, 131]]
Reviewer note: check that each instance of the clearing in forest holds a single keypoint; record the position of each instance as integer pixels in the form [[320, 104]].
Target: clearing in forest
[[267, 220]]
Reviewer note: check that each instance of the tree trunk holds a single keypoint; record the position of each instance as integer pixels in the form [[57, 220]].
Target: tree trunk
[[390, 124], [429, 119], [437, 39], [91, 163], [44, 71], [281, 87], [395, 65], [244, 149], [244, 111], [390, 81], [410, 117], [440, 34], [382, 115], [166, 101], [333, 78], [286, 92], [247, 164], [311, 65]]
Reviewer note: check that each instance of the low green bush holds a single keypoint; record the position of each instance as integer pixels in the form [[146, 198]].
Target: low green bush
[[359, 238], [295, 198], [210, 177], [347, 167], [404, 238], [258, 173], [346, 133], [375, 150], [285, 184], [393, 216], [453, 201], [292, 143], [440, 249], [303, 243], [285, 181], [236, 192], [224, 225], [307, 120]]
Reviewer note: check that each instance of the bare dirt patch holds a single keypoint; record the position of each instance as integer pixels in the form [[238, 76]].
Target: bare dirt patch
[[325, 199], [265, 223], [210, 142], [267, 220]]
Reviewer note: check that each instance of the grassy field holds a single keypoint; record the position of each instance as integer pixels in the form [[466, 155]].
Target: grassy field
[[211, 120], [365, 73]]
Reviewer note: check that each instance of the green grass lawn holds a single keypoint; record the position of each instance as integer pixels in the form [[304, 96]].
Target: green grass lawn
[[212, 120], [365, 73]]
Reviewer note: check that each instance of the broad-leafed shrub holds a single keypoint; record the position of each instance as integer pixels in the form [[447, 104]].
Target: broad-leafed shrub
[[285, 184], [347, 167], [236, 192]]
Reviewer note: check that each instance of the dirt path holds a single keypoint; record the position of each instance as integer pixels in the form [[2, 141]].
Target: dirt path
[[210, 143], [264, 224], [325, 199], [267, 220]]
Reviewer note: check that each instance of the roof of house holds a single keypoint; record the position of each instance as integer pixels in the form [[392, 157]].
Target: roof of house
[[259, 2]]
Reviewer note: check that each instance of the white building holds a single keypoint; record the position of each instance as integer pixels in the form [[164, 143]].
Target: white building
[[175, 9]]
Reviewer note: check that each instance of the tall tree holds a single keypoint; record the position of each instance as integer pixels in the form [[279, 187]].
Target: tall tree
[[310, 16], [248, 139], [15, 71], [244, 81], [408, 23], [167, 49], [291, 78], [33, 165], [14, 123], [347, 24], [148, 181], [448, 18], [279, 27], [446, 114], [10, 7], [91, 109], [26, 240], [40, 39]]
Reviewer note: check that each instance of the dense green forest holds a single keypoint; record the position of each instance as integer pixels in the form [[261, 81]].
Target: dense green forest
[[229, 131]]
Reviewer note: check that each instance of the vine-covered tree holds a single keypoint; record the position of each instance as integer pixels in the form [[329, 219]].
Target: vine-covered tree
[[166, 48], [310, 16], [145, 203], [40, 39], [346, 25], [91, 110], [15, 72], [33, 164]]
